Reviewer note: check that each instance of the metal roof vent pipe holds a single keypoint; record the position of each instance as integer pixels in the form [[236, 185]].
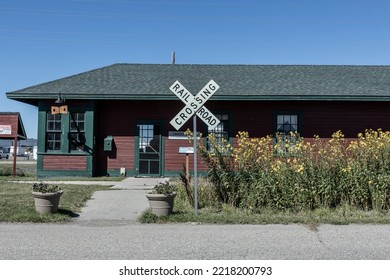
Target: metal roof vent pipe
[[173, 57]]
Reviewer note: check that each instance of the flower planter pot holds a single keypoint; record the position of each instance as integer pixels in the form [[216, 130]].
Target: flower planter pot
[[46, 202], [161, 204]]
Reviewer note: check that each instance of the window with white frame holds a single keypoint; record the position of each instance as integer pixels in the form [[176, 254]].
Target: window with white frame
[[67, 132], [53, 132], [286, 123]]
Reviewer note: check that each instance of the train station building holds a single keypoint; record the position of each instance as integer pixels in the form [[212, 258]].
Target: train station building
[[118, 119]]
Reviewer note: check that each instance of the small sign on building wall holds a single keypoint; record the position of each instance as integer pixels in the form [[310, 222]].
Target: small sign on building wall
[[5, 129], [59, 109], [186, 150], [179, 135]]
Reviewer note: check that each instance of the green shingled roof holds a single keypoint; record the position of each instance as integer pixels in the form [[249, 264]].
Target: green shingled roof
[[247, 82]]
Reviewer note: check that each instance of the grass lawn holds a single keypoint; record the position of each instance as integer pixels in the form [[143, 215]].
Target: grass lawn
[[17, 203], [22, 170], [226, 214], [230, 215]]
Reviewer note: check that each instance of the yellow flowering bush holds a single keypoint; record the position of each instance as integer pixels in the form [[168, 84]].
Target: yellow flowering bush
[[289, 172]]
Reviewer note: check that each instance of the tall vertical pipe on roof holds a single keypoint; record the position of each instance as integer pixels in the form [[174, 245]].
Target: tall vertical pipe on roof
[[173, 57]]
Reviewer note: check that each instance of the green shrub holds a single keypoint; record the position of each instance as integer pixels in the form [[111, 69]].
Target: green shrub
[[8, 171], [148, 217]]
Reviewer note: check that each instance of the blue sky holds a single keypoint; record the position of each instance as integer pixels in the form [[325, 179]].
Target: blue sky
[[45, 40]]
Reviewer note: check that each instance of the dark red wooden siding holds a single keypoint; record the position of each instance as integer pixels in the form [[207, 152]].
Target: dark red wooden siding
[[55, 162], [119, 118]]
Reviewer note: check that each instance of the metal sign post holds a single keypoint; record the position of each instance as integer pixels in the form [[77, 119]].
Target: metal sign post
[[195, 107], [195, 169], [187, 151]]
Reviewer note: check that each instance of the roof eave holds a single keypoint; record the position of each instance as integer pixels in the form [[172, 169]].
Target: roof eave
[[303, 98], [33, 98]]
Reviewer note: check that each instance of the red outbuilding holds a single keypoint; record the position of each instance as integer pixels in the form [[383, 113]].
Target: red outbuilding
[[11, 127]]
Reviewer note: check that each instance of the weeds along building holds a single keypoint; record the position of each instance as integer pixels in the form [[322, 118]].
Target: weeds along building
[[119, 116]]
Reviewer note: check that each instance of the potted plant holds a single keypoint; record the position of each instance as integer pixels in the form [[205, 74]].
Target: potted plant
[[161, 198], [46, 197]]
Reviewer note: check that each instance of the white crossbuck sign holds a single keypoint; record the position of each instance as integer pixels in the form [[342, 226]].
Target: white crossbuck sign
[[194, 104]]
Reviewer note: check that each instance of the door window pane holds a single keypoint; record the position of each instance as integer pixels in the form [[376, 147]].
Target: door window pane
[[143, 167], [154, 167], [149, 149]]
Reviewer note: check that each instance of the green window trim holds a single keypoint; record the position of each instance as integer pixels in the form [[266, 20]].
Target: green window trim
[[139, 144], [67, 136], [78, 120], [286, 122], [43, 109]]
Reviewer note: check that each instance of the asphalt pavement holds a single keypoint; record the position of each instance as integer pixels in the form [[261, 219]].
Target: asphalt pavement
[[193, 241], [107, 229]]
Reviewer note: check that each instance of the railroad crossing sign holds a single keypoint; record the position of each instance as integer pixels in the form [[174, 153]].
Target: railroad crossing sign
[[194, 104]]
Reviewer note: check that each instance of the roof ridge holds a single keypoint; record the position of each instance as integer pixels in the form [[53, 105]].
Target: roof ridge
[[274, 65]]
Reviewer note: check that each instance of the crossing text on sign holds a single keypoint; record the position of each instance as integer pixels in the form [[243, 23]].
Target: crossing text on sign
[[194, 104]]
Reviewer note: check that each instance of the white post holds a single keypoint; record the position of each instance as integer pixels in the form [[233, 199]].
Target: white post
[[195, 169]]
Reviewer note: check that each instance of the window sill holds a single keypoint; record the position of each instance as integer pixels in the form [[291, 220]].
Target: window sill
[[64, 154]]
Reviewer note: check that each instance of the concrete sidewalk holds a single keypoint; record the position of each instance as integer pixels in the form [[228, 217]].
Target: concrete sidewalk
[[122, 204]]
